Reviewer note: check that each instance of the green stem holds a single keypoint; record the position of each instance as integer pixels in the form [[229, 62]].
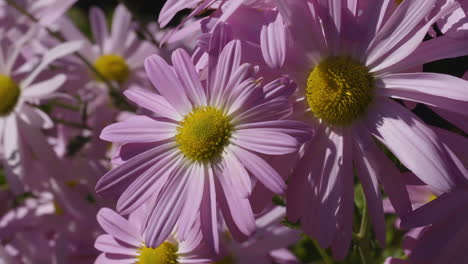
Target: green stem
[[118, 99], [362, 238], [326, 258]]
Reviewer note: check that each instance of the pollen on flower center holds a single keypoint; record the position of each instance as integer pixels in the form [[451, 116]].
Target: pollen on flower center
[[166, 253], [113, 67], [339, 90], [204, 133], [9, 94]]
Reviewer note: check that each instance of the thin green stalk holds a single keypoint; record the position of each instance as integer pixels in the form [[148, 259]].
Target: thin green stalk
[[119, 100], [362, 238], [326, 258]]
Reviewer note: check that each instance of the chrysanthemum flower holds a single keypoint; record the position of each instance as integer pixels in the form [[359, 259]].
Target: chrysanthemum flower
[[118, 55], [351, 65], [124, 243], [19, 95], [199, 149]]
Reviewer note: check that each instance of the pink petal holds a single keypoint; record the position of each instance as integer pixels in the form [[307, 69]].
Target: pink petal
[[273, 43], [139, 129], [121, 24], [378, 165], [149, 184], [118, 179], [367, 171], [265, 141], [99, 26], [238, 208], [236, 175], [45, 88], [106, 243], [192, 204], [439, 90], [166, 82], [119, 227], [188, 76], [153, 102], [402, 22], [209, 211], [260, 169], [413, 143], [168, 208]]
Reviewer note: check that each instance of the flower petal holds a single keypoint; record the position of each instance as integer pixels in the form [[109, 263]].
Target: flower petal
[[439, 90], [413, 143], [139, 129], [265, 141], [260, 169], [153, 102], [119, 227]]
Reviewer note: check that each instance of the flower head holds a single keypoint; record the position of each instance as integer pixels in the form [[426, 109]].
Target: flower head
[[200, 147]]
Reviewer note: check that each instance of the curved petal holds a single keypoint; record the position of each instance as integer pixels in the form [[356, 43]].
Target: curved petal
[[168, 207], [35, 117], [260, 169], [119, 227], [413, 143], [106, 243], [237, 175], [166, 82], [45, 88], [121, 24], [265, 141], [153, 102], [118, 179], [439, 90], [209, 212], [188, 77], [99, 26], [273, 43], [139, 129]]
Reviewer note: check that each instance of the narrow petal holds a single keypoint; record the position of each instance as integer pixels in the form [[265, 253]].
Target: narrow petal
[[106, 243], [35, 117], [273, 43], [402, 22], [238, 208], [439, 90], [168, 208], [153, 102], [120, 27], [166, 82], [45, 88], [192, 203], [260, 169], [413, 143], [119, 227], [55, 53], [139, 129], [188, 76], [403, 50], [209, 212], [367, 172], [118, 179], [149, 184], [373, 162], [237, 175], [99, 26], [265, 141]]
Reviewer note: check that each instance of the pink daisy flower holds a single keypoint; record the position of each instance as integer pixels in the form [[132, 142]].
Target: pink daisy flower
[[124, 243], [350, 67], [198, 150], [19, 118], [117, 53]]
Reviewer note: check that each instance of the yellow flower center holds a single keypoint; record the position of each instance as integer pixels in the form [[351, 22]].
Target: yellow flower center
[[339, 90], [166, 253], [113, 67], [9, 94], [204, 133], [398, 2]]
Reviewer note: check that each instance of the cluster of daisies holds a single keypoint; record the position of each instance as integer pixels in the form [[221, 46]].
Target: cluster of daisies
[[233, 135]]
